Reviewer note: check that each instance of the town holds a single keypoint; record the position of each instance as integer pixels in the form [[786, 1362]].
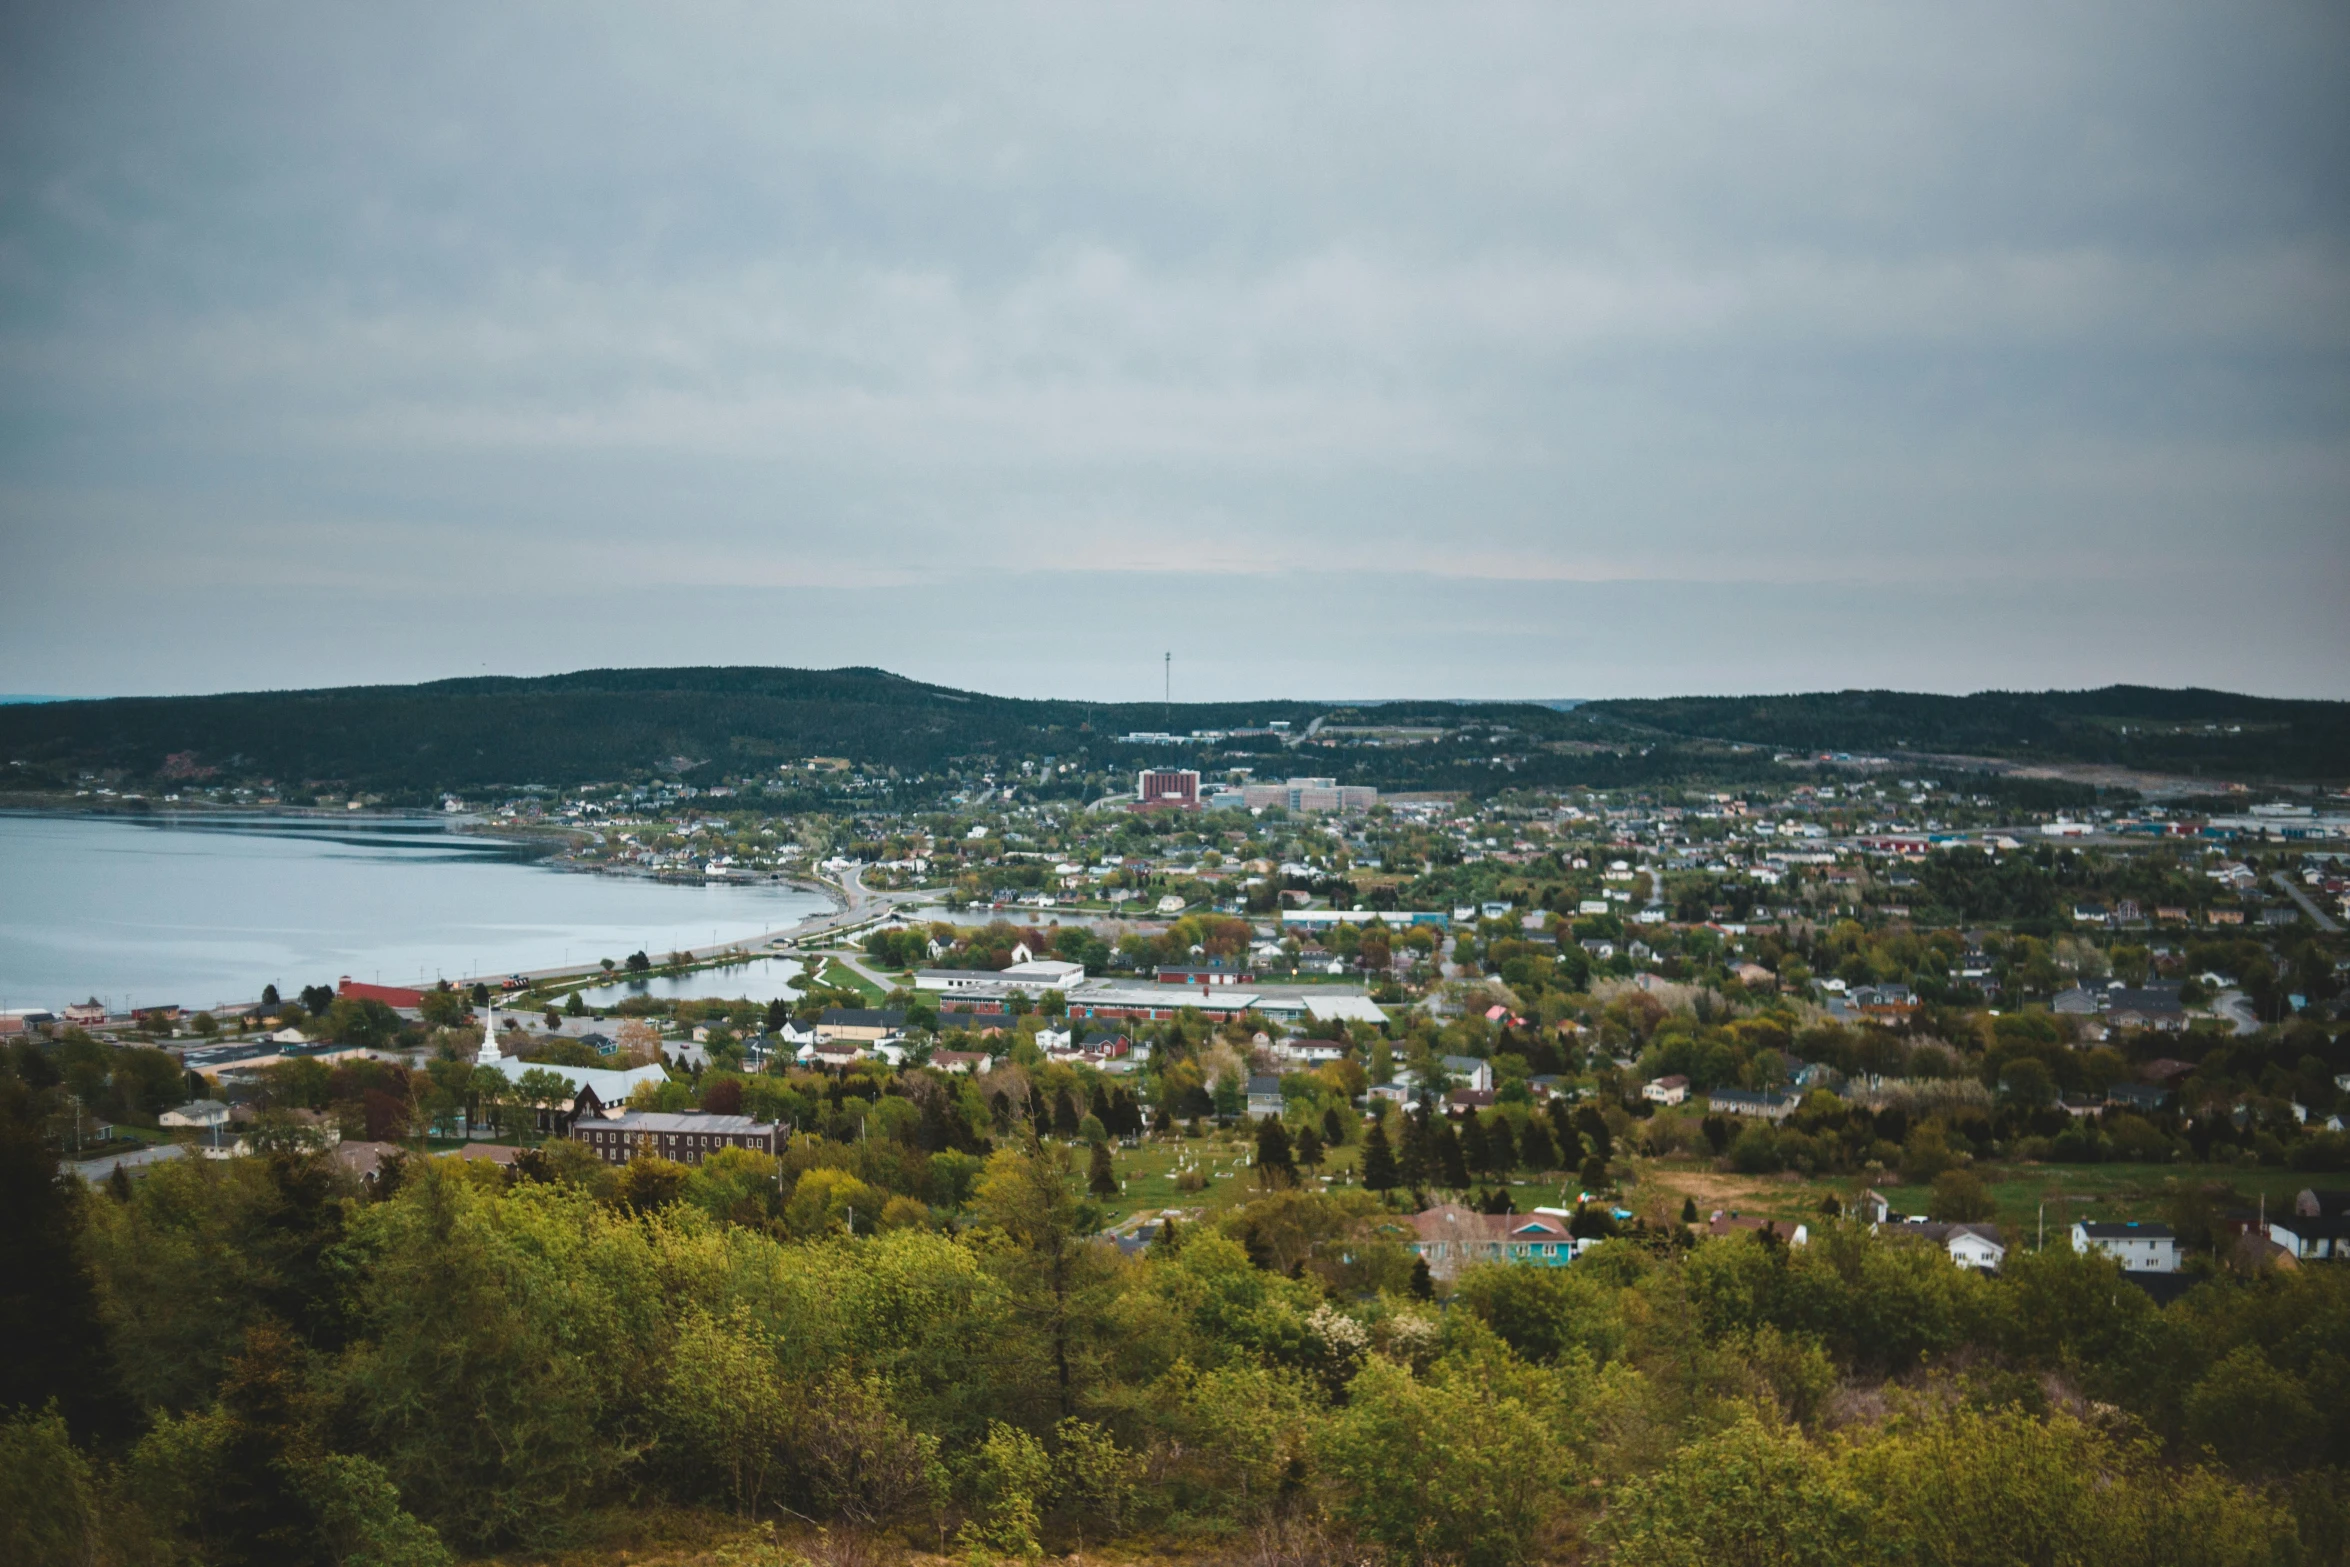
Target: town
[[1380, 1045]]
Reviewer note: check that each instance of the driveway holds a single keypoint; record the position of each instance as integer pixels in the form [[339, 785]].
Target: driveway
[[2236, 1007]]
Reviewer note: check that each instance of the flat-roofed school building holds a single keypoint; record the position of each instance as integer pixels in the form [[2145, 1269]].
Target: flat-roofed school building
[[685, 1138]]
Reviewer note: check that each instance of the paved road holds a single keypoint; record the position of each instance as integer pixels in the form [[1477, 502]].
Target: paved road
[[2309, 905], [859, 906], [2236, 1007], [96, 1170]]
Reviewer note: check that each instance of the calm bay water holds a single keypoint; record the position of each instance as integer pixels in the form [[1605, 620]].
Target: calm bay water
[[139, 911]]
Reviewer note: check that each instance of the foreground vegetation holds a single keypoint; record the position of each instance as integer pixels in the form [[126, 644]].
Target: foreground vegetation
[[255, 1361]]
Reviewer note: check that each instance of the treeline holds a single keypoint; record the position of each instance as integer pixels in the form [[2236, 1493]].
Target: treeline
[[2187, 731]]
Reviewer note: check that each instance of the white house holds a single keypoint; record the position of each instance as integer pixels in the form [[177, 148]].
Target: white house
[[1470, 1071], [1666, 1090], [1264, 1096], [2138, 1247], [1969, 1245]]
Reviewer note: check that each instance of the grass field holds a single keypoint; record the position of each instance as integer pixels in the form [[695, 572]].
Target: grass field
[[1655, 1188], [843, 977]]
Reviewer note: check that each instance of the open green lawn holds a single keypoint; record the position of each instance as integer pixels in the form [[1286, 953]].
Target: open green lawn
[[841, 976], [2106, 1191], [1149, 1173]]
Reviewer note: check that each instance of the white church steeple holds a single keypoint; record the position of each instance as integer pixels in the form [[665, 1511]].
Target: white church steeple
[[488, 1054]]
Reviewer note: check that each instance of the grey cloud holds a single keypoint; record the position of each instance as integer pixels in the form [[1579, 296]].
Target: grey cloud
[[1360, 318]]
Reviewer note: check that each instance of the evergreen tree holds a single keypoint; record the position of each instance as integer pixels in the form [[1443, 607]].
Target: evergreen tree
[[1450, 1166], [1065, 1115], [1501, 1149], [48, 1302], [1101, 1178], [1593, 1126], [1535, 1149], [1476, 1153], [1168, 1241], [1423, 1283], [1379, 1172], [1309, 1147], [1594, 1173], [1333, 1128], [1102, 1109], [1418, 1161], [1276, 1164], [1562, 1131], [1688, 1210]]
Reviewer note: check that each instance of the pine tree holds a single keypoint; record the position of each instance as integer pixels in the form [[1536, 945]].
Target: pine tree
[[1276, 1165], [1064, 1114], [1563, 1133], [1449, 1163], [1535, 1149], [1594, 1173], [1379, 1172], [1688, 1210], [1333, 1128], [1418, 1159], [1476, 1153], [1309, 1147], [1501, 1149], [1423, 1283], [1101, 1178], [1593, 1126]]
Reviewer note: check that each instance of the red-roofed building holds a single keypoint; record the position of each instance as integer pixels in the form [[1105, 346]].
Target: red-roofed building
[[389, 995]]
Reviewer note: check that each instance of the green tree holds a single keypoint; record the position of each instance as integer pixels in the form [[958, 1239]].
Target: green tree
[[1379, 1172], [1746, 1496], [1276, 1164], [724, 1402], [49, 1495], [1101, 1177], [1009, 1482], [1961, 1197], [443, 1008], [2256, 1418], [1443, 1469], [1042, 1254]]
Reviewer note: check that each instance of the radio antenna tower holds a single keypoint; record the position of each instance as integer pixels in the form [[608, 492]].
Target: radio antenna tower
[[1169, 695]]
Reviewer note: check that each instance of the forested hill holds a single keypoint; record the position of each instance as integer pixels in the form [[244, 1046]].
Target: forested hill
[[605, 724], [405, 743], [593, 724], [2212, 733]]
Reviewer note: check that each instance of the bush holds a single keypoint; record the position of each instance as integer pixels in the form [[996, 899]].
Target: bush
[[1960, 1197]]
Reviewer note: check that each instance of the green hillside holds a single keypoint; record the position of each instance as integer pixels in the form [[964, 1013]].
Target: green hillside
[[407, 743], [2214, 733]]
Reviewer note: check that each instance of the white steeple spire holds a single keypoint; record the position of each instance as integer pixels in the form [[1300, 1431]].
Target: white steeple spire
[[488, 1054]]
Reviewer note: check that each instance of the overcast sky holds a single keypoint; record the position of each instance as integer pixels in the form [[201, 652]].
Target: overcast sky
[[1427, 350]]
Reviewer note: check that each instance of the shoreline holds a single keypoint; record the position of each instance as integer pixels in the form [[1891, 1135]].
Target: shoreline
[[537, 846]]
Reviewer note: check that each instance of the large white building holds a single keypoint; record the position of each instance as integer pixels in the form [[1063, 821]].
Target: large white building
[[2139, 1248], [1309, 794]]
